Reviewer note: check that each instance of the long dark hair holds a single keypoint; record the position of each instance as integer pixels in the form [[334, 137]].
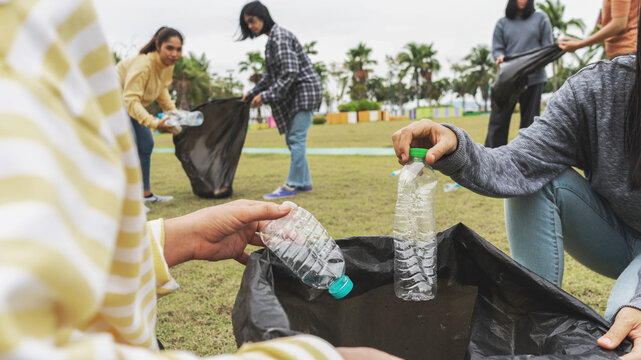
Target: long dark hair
[[257, 9], [161, 36], [512, 9], [632, 140]]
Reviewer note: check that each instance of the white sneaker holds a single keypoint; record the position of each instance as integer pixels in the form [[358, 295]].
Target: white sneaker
[[157, 198]]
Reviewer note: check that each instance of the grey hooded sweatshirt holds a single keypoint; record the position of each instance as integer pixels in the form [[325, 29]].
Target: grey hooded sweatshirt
[[582, 127]]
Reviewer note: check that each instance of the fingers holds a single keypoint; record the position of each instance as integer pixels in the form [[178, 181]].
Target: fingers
[[243, 258], [244, 97], [436, 152], [635, 353], [403, 138], [425, 133], [250, 211], [623, 324]]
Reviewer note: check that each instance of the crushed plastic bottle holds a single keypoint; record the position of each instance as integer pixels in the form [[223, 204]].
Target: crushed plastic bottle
[[180, 118], [303, 244], [415, 230], [396, 172], [451, 187]]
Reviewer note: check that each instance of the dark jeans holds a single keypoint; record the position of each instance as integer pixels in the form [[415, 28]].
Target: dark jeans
[[145, 144], [499, 125]]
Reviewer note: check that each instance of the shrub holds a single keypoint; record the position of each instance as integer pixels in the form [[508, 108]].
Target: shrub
[[319, 119], [360, 105]]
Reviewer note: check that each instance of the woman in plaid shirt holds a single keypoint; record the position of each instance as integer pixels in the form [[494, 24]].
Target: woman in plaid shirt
[[290, 85]]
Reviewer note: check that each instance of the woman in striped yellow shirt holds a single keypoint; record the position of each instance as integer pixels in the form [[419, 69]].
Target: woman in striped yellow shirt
[[80, 269]]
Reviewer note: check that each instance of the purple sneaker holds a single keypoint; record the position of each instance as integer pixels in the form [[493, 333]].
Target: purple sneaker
[[283, 191], [304, 188]]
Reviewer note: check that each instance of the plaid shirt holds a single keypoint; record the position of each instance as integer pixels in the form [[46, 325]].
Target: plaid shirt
[[290, 84]]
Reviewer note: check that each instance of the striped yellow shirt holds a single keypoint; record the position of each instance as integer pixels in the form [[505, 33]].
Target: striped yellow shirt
[[79, 270]]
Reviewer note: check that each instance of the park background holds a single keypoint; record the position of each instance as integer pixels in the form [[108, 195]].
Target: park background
[[396, 56]]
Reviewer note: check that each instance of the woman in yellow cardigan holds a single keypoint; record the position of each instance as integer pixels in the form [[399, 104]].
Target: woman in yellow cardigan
[[145, 78]]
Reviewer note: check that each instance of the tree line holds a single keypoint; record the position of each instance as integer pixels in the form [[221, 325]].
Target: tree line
[[411, 73]]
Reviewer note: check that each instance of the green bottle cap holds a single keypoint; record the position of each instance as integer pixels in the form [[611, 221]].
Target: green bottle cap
[[341, 287], [418, 152]]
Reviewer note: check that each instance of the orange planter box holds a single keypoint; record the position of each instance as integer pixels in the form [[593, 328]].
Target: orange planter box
[[337, 118], [363, 116]]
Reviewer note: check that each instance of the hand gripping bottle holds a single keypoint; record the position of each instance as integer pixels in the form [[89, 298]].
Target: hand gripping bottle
[[414, 230], [180, 118], [303, 244]]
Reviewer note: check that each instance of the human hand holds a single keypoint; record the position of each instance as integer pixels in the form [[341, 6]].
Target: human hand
[[364, 353], [162, 125], [219, 232], [500, 59], [257, 101], [244, 97], [570, 44], [424, 134], [627, 323]]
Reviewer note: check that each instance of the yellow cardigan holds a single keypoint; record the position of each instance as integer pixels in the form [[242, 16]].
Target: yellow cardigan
[[144, 78]]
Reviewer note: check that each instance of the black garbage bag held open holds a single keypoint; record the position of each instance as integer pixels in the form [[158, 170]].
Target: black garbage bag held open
[[209, 153], [487, 306], [511, 81]]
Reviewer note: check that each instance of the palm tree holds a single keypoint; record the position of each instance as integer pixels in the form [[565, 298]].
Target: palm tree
[[255, 63], [438, 89], [341, 79], [319, 66], [419, 59], [357, 59], [192, 80], [555, 10], [481, 69]]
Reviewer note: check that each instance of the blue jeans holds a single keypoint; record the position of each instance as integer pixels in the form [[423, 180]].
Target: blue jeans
[[296, 139], [567, 214], [145, 144]]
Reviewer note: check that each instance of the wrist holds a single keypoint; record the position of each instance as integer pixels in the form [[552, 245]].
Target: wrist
[[179, 241]]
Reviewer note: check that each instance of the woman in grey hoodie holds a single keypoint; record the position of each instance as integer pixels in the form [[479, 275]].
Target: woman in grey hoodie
[[522, 29], [592, 123]]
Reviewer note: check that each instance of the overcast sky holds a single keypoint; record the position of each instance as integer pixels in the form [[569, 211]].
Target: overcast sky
[[210, 26]]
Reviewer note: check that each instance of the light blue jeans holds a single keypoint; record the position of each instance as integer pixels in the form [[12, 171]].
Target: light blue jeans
[[296, 139], [567, 214]]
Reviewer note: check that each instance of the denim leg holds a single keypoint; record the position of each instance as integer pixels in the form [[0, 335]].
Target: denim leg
[[145, 144], [626, 285], [566, 214], [296, 139]]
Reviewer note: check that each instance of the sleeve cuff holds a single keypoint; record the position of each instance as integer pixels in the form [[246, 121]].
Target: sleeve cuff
[[451, 163], [165, 283], [265, 96], [297, 347]]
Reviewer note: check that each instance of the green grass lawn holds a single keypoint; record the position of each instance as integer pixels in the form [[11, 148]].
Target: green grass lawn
[[353, 195]]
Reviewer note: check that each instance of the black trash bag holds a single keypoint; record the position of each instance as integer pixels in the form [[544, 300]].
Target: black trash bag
[[511, 81], [487, 306], [209, 153]]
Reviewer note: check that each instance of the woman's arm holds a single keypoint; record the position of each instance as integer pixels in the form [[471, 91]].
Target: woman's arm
[[619, 22], [133, 91], [287, 59], [164, 100], [546, 32], [498, 43]]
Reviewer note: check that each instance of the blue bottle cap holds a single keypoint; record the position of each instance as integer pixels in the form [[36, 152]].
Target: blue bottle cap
[[341, 287], [160, 115]]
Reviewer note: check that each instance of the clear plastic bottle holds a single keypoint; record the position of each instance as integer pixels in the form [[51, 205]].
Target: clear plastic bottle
[[180, 118], [304, 245], [415, 230]]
